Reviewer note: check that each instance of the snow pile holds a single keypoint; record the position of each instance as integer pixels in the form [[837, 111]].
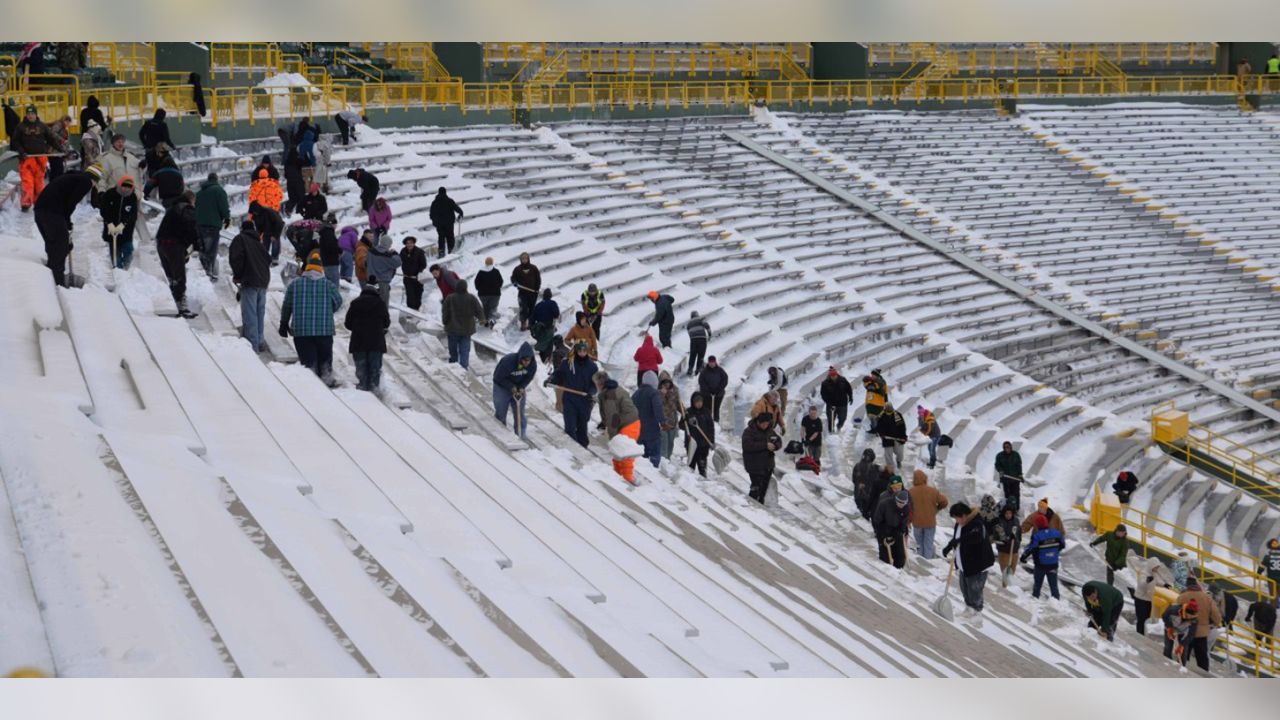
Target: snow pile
[[284, 80]]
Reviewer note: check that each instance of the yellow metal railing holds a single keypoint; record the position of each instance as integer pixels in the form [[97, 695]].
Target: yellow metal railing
[[1213, 560], [520, 52], [130, 62], [1093, 86], [745, 60], [1246, 468], [8, 73], [1250, 649], [893, 90], [417, 57], [367, 71], [1040, 57], [50, 104], [635, 94], [232, 57]]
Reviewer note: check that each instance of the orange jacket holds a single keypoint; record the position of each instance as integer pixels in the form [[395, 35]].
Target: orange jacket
[[266, 192], [586, 334]]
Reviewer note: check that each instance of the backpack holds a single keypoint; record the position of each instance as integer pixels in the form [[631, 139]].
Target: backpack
[[946, 441], [794, 448], [808, 463]]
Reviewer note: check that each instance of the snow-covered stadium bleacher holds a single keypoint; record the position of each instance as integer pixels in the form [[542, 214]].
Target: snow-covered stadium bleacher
[[176, 506]]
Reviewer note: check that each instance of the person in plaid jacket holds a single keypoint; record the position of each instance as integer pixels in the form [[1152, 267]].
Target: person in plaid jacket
[[310, 302]]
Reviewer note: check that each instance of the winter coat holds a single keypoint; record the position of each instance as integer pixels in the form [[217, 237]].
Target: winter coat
[[527, 278], [648, 356], [663, 311], [672, 409], [382, 264], [593, 304], [294, 186], [616, 408], [92, 112], [249, 258], [197, 93], [764, 406], [926, 500], [444, 211], [877, 391], [928, 426], [1009, 463], [1271, 565], [489, 282], [1045, 547], [975, 554], [116, 209], [413, 261], [811, 429], [314, 206], [699, 422], [1263, 615], [648, 402], [1151, 573], [508, 374], [266, 192], [1124, 486], [348, 239], [369, 187], [777, 378], [1116, 550], [1176, 626], [586, 334], [166, 180], [272, 171], [713, 380], [1227, 605], [330, 253], [155, 131], [90, 147], [117, 164], [577, 375], [268, 222], [864, 475], [178, 226], [310, 302], [447, 281], [757, 458], [891, 428], [64, 193], [368, 320], [33, 138], [324, 156], [380, 217], [460, 312], [836, 391], [1006, 534], [1207, 614], [212, 208], [888, 520], [698, 329], [545, 313], [1055, 522], [302, 235]]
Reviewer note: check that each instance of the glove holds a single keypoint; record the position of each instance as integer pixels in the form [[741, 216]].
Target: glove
[[888, 541], [70, 226], [284, 331], [1022, 558], [226, 224]]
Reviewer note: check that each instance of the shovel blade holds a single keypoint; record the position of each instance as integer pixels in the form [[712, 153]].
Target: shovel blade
[[942, 606], [74, 281]]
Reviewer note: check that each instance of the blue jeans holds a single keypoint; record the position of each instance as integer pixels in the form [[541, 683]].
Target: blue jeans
[[971, 588], [577, 414], [924, 541], [124, 252], [933, 451], [502, 400], [253, 314], [347, 266], [460, 349], [653, 448], [208, 248], [331, 274], [669, 442], [1042, 572], [368, 370]]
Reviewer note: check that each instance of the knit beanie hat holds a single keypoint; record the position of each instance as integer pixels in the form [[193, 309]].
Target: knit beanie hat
[[313, 262], [1043, 504], [1041, 522], [653, 295], [650, 378], [902, 498]]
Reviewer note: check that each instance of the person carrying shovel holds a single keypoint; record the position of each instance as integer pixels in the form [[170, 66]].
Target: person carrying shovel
[[891, 520], [53, 210], [1009, 473], [511, 376], [574, 379], [892, 430], [119, 210], [973, 553]]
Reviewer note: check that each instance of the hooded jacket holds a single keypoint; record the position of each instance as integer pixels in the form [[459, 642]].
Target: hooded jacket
[[64, 193], [212, 208], [269, 223], [877, 391], [586, 334], [489, 282], [348, 240], [380, 215], [508, 374], [1117, 548], [33, 138], [117, 164], [1150, 573], [713, 380], [545, 312], [763, 406], [891, 428], [527, 278], [117, 209], [369, 186], [699, 422], [368, 320], [1055, 522], [757, 458], [178, 226], [648, 356], [888, 520], [447, 281], [272, 171], [576, 374], [314, 206], [865, 474], [330, 253], [1207, 614], [926, 500], [672, 409], [698, 327], [413, 261], [444, 211], [155, 131], [461, 311], [381, 262], [92, 112], [266, 192], [663, 311], [617, 408], [1046, 547], [648, 402], [249, 258]]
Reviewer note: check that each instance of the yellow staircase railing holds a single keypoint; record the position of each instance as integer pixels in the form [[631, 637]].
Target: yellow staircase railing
[[230, 58], [1192, 443], [417, 57], [1251, 649]]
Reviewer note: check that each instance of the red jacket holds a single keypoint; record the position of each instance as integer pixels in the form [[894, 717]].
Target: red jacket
[[648, 356], [447, 281]]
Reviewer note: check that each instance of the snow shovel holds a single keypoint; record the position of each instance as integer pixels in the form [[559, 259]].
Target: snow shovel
[[73, 280], [942, 605]]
